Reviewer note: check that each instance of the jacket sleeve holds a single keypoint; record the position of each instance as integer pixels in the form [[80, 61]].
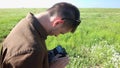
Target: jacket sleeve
[[29, 59]]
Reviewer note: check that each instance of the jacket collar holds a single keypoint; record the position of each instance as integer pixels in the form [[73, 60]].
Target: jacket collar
[[38, 27]]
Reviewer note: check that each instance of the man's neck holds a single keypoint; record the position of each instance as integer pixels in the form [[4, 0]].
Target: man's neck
[[44, 20]]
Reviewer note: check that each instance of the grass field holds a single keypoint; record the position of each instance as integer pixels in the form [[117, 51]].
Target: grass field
[[95, 44]]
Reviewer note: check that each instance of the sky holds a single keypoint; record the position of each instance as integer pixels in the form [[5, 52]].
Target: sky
[[49, 3]]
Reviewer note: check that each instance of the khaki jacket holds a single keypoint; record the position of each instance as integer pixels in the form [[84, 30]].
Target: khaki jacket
[[25, 46]]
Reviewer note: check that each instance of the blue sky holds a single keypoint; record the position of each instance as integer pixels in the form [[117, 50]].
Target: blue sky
[[99, 3], [48, 3]]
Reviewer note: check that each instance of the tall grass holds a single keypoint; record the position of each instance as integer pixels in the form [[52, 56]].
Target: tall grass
[[95, 44]]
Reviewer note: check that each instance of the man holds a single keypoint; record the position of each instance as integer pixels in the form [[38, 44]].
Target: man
[[25, 46]]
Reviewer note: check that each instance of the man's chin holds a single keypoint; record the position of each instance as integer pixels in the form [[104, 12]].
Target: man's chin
[[53, 35]]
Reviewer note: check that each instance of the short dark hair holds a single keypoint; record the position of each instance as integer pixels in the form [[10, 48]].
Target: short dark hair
[[68, 12]]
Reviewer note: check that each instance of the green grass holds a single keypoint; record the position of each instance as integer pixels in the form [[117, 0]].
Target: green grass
[[95, 44]]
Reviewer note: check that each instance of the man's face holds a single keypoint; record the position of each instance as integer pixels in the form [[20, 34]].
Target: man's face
[[60, 29]]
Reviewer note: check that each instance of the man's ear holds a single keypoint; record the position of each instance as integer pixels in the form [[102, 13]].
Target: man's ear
[[57, 21]]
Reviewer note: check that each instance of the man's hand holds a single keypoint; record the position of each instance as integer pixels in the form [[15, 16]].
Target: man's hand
[[59, 62]]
